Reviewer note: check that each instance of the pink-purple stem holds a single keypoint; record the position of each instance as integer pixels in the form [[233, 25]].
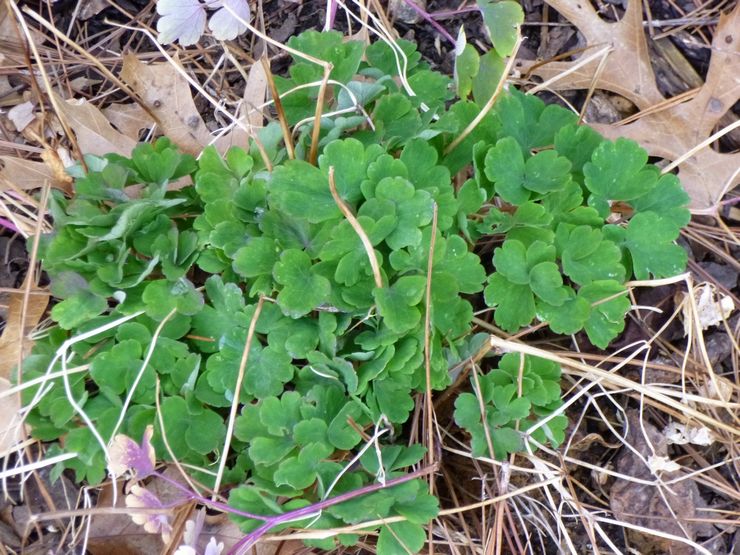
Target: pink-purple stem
[[331, 15], [447, 14], [270, 522], [427, 17], [9, 225]]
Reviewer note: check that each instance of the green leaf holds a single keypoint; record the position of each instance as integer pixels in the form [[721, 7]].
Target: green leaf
[[577, 143], [650, 240], [349, 159], [505, 167], [587, 256], [547, 283], [568, 318], [510, 260], [667, 199], [413, 209], [386, 59], [77, 309], [205, 432], [546, 172], [507, 407], [267, 372], [467, 62], [609, 305], [397, 303], [506, 440], [394, 400], [492, 67], [257, 258], [502, 20], [296, 185], [514, 302], [162, 296], [467, 410], [401, 537], [299, 472], [617, 171], [303, 289], [329, 46], [395, 117]]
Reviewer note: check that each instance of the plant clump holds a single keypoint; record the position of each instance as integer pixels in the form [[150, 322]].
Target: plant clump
[[159, 286]]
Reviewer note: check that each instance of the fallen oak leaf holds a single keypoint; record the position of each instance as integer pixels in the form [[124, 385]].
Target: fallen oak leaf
[[668, 132], [129, 118], [23, 174], [167, 94], [673, 132], [19, 314], [94, 133], [627, 70]]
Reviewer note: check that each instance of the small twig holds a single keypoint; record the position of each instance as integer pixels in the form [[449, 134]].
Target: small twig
[[314, 153], [358, 229], [237, 390], [287, 138], [426, 16]]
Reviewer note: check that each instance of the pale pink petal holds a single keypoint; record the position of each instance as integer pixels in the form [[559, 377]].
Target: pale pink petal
[[226, 26], [181, 20], [153, 522], [126, 456]]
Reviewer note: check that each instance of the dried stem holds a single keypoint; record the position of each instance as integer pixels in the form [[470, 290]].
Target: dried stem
[[237, 390], [358, 229], [314, 153], [287, 137]]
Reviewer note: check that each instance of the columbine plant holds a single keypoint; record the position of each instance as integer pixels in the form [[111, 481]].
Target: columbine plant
[[299, 292]]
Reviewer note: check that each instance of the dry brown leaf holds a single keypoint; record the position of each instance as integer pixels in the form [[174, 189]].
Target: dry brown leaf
[[22, 115], [92, 8], [94, 133], [129, 118], [10, 341], [10, 353], [24, 174], [627, 70], [667, 509], [668, 133], [167, 94], [255, 92], [10, 424]]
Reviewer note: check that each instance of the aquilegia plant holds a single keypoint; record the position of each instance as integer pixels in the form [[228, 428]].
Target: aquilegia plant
[[330, 264]]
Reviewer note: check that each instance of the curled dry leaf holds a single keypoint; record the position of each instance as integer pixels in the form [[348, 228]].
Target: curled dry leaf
[[711, 308], [666, 132], [22, 115], [10, 353], [129, 118], [681, 434], [93, 131], [11, 431], [226, 23], [181, 20], [25, 174], [10, 341], [673, 510], [167, 94]]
